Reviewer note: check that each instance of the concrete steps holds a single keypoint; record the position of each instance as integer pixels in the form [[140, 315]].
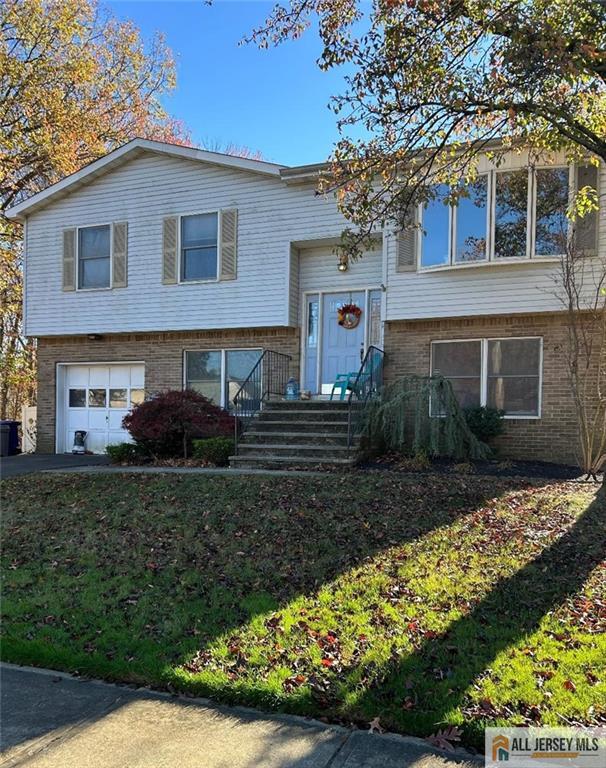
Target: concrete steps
[[297, 434]]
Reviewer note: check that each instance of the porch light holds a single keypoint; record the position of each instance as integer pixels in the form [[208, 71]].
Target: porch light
[[343, 265]]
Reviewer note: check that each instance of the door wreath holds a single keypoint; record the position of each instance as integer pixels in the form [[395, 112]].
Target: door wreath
[[348, 316]]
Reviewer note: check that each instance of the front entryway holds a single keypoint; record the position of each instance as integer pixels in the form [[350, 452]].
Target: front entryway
[[95, 398], [342, 348], [331, 348]]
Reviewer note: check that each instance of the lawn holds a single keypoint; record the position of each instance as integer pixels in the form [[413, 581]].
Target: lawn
[[424, 602]]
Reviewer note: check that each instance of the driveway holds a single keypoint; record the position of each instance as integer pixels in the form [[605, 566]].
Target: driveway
[[50, 719], [26, 463]]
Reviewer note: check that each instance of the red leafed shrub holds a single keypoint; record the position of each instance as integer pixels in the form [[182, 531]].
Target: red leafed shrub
[[166, 424]]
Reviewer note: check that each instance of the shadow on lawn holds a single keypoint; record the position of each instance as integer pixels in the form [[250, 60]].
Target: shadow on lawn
[[216, 561], [513, 609]]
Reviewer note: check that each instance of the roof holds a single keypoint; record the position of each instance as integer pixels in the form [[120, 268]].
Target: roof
[[126, 152]]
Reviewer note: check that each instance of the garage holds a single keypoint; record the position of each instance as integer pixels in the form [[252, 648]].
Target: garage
[[95, 398]]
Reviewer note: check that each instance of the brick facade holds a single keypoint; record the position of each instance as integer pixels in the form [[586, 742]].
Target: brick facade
[[162, 354], [553, 437]]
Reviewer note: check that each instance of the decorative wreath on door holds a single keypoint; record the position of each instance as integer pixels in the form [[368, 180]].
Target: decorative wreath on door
[[348, 316]]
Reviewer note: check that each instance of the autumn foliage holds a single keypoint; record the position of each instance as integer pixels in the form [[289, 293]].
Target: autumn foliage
[[166, 424], [76, 83]]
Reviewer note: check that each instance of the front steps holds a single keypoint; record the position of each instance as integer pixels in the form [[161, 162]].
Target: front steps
[[297, 433]]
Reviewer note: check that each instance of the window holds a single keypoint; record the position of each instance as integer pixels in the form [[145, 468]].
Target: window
[[510, 214], [94, 257], [219, 374], [526, 209], [551, 222], [77, 398], [499, 373], [513, 376], [204, 374], [199, 247], [461, 363], [470, 224], [117, 398], [435, 245], [311, 344]]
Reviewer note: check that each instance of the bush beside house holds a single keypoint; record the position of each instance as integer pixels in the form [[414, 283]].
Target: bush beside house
[[176, 424]]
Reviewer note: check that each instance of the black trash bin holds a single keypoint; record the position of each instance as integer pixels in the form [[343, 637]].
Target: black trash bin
[[13, 435]]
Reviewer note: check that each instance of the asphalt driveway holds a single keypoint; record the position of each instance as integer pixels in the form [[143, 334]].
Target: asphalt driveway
[[27, 463]]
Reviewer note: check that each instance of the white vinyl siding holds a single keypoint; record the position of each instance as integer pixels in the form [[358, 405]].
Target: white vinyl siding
[[318, 271], [146, 191]]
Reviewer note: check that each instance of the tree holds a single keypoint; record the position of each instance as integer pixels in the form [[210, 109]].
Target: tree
[[581, 287], [434, 83], [75, 83]]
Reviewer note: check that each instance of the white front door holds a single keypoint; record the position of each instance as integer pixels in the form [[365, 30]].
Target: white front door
[[97, 397]]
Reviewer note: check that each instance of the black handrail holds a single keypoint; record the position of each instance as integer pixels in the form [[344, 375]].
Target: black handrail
[[366, 386], [268, 377]]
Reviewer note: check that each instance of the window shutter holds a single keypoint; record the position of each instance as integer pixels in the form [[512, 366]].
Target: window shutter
[[587, 227], [406, 245], [229, 244], [119, 254], [169, 250], [69, 259]]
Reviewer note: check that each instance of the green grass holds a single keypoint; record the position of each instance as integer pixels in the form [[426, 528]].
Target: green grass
[[467, 601]]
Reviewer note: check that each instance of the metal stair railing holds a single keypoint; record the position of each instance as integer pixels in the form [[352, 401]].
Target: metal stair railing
[[268, 377], [366, 386]]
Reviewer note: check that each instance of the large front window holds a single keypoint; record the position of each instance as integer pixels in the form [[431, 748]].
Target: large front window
[[94, 257], [505, 215], [199, 247], [498, 373], [219, 374]]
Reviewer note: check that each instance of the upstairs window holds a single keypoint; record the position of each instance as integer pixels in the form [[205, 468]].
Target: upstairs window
[[551, 201], [199, 247], [510, 214], [506, 215], [436, 230], [94, 252], [470, 223]]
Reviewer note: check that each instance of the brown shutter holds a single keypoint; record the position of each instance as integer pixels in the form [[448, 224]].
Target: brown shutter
[[169, 250], [119, 254], [229, 244], [406, 244], [586, 229], [69, 259]]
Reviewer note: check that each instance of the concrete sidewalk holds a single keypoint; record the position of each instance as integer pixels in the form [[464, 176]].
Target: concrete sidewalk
[[53, 719]]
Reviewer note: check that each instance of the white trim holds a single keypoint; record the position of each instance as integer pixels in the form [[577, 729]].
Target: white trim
[[111, 257], [136, 147], [484, 340]]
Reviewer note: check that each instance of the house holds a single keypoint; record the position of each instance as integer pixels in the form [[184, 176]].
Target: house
[[162, 266]]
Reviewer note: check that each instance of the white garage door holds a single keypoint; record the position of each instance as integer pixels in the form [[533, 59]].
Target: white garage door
[[97, 397]]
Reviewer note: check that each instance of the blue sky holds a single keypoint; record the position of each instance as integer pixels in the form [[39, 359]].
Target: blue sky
[[274, 101]]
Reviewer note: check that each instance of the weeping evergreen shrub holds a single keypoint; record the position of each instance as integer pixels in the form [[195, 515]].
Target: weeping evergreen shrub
[[400, 420]]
